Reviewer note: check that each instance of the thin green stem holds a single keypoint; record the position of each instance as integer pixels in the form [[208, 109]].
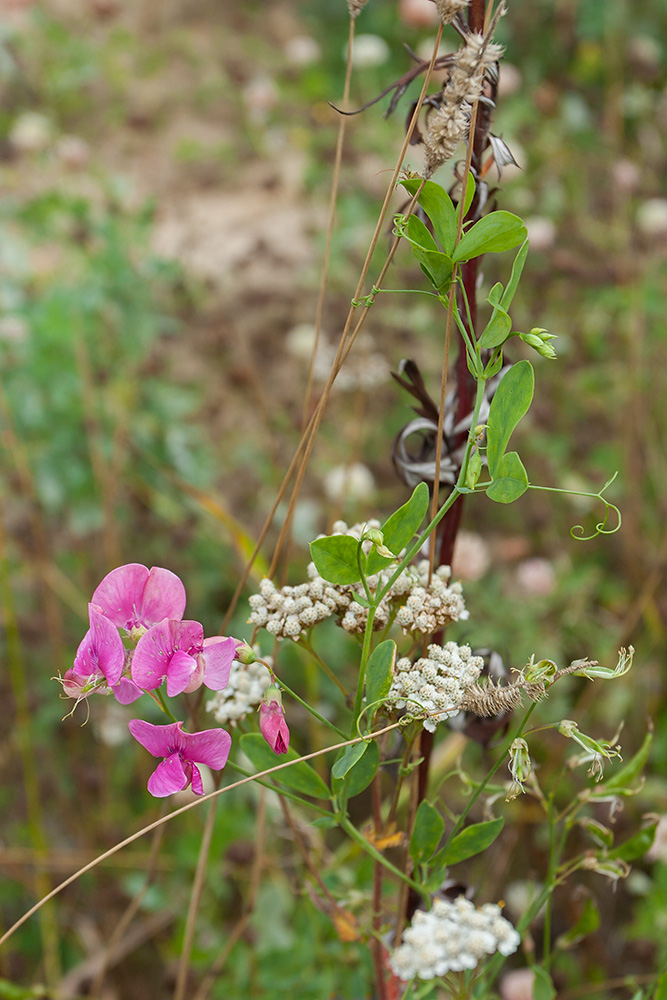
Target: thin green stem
[[352, 832], [309, 708], [163, 705], [365, 654], [307, 645]]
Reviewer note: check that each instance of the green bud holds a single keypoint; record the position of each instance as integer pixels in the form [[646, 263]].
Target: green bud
[[374, 535], [595, 750], [539, 339], [245, 654], [520, 766], [474, 469], [539, 673]]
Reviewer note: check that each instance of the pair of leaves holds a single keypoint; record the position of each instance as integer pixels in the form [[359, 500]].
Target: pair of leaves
[[510, 403], [337, 557], [499, 327], [427, 833], [493, 233]]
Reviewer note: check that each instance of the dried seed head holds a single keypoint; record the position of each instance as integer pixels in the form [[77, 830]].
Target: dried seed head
[[355, 7], [448, 9]]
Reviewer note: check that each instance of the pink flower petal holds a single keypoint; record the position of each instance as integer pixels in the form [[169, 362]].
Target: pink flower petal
[[218, 655], [179, 672], [108, 646], [210, 747], [163, 597], [126, 691], [197, 783], [133, 596], [161, 741], [120, 594], [155, 649], [168, 777]]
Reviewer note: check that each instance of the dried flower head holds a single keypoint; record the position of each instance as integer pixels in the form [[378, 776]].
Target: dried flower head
[[449, 125], [448, 9]]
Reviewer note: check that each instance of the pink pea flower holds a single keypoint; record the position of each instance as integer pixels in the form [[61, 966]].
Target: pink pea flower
[[99, 660], [134, 597], [178, 651], [272, 720], [181, 752]]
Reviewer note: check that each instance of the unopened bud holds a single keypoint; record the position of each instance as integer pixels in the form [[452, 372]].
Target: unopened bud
[[539, 673], [520, 766], [539, 339], [245, 653]]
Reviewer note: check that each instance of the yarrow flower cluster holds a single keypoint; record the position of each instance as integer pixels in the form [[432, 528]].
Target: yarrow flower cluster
[[451, 937], [418, 605], [435, 684]]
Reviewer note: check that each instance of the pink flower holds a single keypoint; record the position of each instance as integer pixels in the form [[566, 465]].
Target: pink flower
[[178, 651], [181, 752], [133, 597], [272, 720], [99, 659]]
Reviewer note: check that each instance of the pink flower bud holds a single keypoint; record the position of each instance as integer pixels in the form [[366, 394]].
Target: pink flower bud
[[272, 720]]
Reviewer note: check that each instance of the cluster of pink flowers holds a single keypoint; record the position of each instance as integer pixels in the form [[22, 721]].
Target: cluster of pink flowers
[[136, 641]]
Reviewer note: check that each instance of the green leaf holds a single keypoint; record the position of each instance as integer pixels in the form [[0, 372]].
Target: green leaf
[[361, 773], [510, 481], [300, 777], [399, 529], [492, 234], [380, 671], [497, 330], [510, 403], [517, 268], [588, 922], [418, 233], [622, 780], [473, 840], [636, 846], [543, 987], [325, 822], [438, 206], [428, 829], [348, 759], [660, 992], [335, 558], [494, 365], [470, 193]]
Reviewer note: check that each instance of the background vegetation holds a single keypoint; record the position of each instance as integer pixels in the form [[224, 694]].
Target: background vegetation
[[164, 178]]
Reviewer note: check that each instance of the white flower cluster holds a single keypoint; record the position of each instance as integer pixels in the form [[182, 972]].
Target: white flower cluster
[[290, 611], [419, 606], [431, 606], [243, 693], [451, 937], [436, 683]]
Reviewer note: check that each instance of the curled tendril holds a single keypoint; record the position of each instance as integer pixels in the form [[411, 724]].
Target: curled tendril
[[601, 528], [366, 300]]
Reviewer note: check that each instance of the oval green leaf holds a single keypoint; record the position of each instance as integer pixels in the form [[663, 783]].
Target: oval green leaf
[[299, 777], [335, 558], [428, 829], [492, 234], [510, 403], [380, 671], [348, 759], [471, 841], [399, 529], [511, 480], [438, 206], [361, 773]]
